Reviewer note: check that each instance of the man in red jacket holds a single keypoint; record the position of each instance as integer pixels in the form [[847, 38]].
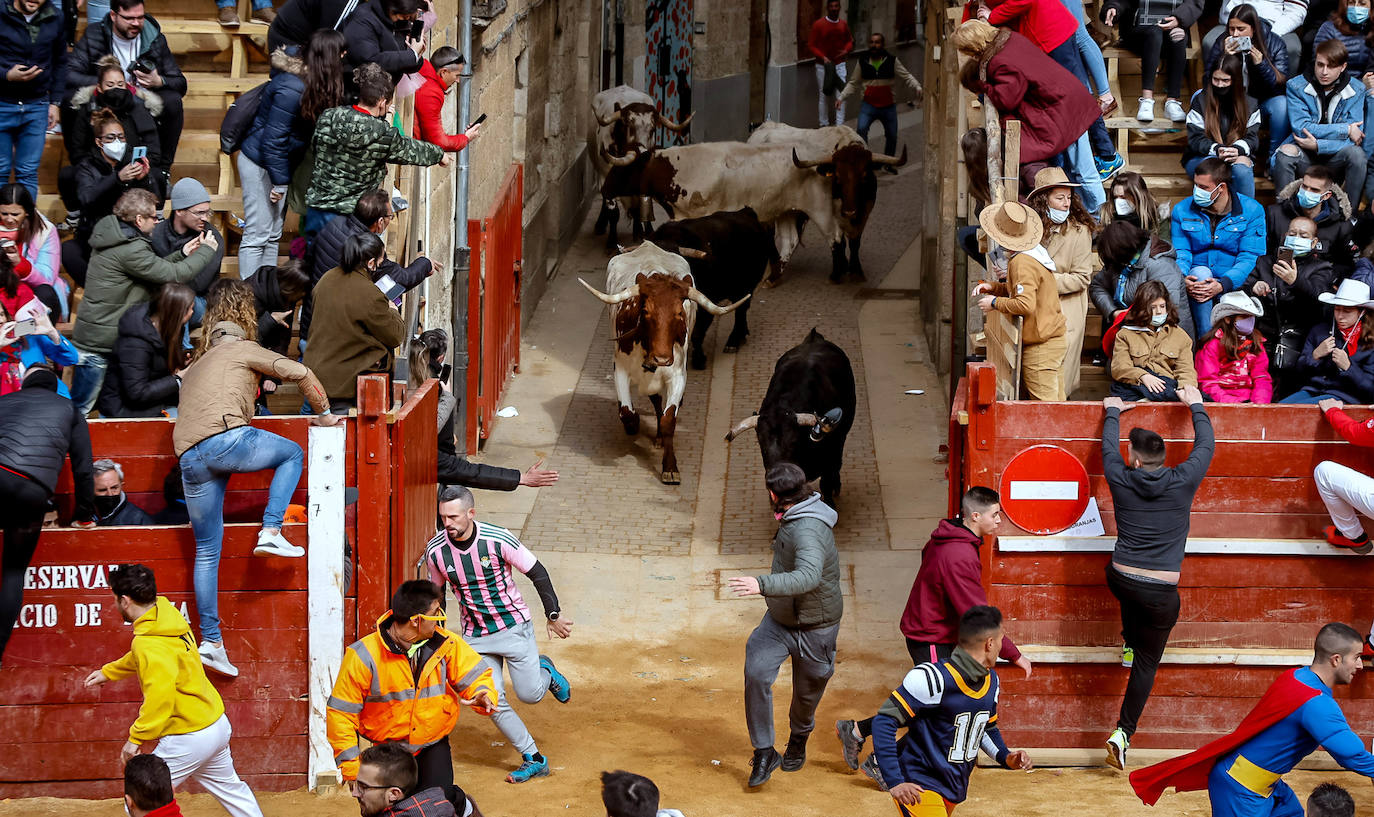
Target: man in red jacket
[[443, 70], [830, 43], [948, 583], [148, 788]]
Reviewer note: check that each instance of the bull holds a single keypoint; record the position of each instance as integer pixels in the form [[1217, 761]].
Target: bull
[[807, 412], [841, 155], [626, 123], [653, 304], [728, 254]]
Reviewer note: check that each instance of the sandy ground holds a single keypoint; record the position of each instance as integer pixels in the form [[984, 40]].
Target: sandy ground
[[677, 715]]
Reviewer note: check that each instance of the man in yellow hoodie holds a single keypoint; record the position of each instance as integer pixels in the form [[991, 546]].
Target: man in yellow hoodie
[[181, 711]]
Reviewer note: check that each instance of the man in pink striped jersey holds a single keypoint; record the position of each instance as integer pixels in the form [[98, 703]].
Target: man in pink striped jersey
[[476, 560]]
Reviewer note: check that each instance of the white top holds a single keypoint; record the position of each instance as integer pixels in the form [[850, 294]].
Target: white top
[[126, 51]]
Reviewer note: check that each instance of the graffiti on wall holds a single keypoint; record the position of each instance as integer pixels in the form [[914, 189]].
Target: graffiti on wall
[[668, 61]]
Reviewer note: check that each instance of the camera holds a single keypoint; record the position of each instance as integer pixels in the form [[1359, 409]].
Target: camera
[[145, 64]]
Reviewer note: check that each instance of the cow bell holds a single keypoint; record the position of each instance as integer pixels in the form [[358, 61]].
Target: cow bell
[[826, 424]]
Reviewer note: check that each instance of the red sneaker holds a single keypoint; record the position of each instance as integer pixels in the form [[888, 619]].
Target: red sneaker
[[1367, 655], [1335, 538]]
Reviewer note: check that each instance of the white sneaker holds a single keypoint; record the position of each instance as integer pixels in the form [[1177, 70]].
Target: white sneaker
[[212, 655], [274, 544], [1146, 111], [1174, 109], [1117, 745]]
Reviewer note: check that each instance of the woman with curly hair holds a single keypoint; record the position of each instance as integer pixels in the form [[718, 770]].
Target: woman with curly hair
[[1068, 238], [229, 299]]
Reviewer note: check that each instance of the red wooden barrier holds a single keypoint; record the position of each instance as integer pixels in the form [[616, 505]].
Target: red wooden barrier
[[69, 626], [1270, 588], [494, 305]]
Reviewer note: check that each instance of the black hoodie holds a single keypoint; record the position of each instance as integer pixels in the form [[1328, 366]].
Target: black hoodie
[[1152, 507]]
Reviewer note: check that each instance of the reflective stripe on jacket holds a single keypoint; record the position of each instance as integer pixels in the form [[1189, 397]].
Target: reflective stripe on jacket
[[377, 696]]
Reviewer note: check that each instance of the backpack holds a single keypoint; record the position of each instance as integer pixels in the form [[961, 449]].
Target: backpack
[[238, 120]]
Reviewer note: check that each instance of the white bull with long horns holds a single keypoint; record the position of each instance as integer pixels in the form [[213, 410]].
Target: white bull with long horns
[[653, 305]]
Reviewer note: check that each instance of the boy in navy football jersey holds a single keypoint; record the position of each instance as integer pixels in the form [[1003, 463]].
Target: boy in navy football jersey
[[949, 710]]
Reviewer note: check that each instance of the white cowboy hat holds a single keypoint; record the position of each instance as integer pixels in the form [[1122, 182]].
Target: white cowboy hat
[[1350, 293], [1012, 225], [1235, 303]]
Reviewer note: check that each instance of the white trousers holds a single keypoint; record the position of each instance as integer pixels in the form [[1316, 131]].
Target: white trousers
[[828, 114], [204, 756], [1346, 493]]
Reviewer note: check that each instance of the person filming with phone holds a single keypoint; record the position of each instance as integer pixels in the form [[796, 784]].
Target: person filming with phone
[[1288, 283], [190, 220], [443, 71]]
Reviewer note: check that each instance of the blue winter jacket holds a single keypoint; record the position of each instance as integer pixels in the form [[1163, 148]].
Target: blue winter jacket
[[1229, 250], [41, 41], [278, 138], [1263, 81], [1346, 106]]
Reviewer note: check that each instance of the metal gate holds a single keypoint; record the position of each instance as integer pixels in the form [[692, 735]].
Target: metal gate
[[494, 305]]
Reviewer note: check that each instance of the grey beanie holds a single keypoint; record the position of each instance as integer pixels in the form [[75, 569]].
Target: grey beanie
[[187, 193]]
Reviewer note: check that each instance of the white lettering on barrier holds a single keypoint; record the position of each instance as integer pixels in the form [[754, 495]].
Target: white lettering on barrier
[[1043, 489], [38, 615], [67, 577]]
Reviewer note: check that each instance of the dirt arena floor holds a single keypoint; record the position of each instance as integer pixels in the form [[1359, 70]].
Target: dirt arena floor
[[678, 716]]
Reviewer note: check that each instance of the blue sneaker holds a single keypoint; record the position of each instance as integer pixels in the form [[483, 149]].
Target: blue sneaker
[[558, 682], [1109, 168], [535, 765]]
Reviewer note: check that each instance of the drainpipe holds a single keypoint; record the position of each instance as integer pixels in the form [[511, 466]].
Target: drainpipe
[[462, 266]]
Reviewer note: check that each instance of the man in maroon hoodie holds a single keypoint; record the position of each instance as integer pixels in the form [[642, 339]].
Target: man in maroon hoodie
[[148, 788], [948, 583]]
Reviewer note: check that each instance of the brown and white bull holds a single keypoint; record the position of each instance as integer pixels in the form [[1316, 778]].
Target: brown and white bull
[[653, 306], [840, 154], [627, 121]]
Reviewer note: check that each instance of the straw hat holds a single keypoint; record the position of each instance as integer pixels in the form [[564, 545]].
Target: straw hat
[[1050, 177], [1012, 225], [1350, 293], [1235, 303]]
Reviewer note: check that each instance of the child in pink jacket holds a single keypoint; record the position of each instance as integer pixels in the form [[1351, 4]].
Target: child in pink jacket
[[1232, 366]]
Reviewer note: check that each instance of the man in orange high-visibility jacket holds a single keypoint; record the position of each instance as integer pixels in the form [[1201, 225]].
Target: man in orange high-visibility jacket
[[403, 684]]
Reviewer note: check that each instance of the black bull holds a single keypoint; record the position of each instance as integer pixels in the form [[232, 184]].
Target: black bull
[[807, 413]]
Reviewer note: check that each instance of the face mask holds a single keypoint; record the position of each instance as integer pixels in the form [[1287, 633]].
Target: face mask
[[1221, 90], [1298, 244], [117, 98], [1204, 198], [1245, 325], [115, 150], [1307, 199], [1123, 206], [105, 505], [1058, 216], [1158, 320], [1357, 14]]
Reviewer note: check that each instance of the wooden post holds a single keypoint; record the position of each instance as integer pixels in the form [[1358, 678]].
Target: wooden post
[[325, 560]]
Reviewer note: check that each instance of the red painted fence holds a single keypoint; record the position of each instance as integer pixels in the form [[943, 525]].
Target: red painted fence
[[494, 305], [1258, 578], [60, 739]]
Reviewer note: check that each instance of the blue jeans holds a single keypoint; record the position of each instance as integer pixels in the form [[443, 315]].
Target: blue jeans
[[257, 4], [96, 10], [1067, 56], [1275, 112], [205, 471], [23, 128], [1307, 396], [1242, 176], [888, 116], [88, 375], [1081, 168]]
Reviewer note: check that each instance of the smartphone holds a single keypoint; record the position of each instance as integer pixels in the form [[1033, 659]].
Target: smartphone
[[25, 327], [1286, 254], [390, 288], [479, 120], [140, 153], [1243, 44], [444, 372]]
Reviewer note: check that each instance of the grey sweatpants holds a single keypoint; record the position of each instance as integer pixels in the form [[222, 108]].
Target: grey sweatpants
[[516, 648], [813, 662]]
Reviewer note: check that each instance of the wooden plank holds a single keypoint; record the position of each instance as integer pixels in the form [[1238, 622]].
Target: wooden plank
[[57, 685], [114, 787], [277, 717], [1199, 545], [1198, 571], [84, 760], [1256, 604], [326, 600], [1202, 656], [1107, 632]]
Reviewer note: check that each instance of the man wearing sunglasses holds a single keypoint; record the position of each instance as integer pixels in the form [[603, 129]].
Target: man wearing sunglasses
[[402, 684]]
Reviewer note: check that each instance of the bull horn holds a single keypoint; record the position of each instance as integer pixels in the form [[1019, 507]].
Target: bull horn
[[620, 297], [806, 419], [619, 161], [676, 127], [895, 161], [688, 252], [606, 123], [808, 163], [752, 421], [706, 303]]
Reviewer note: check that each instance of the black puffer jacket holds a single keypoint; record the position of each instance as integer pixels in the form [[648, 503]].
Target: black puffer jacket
[[138, 382], [98, 187], [372, 39], [267, 294], [95, 43], [138, 114], [38, 430]]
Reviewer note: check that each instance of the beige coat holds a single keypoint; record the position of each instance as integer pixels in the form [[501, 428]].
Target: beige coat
[[1071, 247], [1139, 351], [1029, 291]]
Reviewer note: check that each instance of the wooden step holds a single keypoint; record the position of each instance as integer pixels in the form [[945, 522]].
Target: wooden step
[[1235, 656]]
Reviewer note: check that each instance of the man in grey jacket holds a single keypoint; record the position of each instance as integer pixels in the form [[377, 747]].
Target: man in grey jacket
[[803, 618]]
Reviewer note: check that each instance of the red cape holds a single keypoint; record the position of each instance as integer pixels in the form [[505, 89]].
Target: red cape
[[1189, 772]]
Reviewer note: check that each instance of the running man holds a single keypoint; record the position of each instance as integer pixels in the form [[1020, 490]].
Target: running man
[[949, 709], [476, 560], [181, 712], [1243, 771]]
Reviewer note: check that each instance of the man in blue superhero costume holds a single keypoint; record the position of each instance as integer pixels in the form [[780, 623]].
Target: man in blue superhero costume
[[1242, 772]]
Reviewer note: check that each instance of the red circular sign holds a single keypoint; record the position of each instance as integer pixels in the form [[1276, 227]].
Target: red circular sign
[[1044, 489]]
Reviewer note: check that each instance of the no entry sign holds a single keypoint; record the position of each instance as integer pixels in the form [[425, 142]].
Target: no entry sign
[[1044, 489]]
